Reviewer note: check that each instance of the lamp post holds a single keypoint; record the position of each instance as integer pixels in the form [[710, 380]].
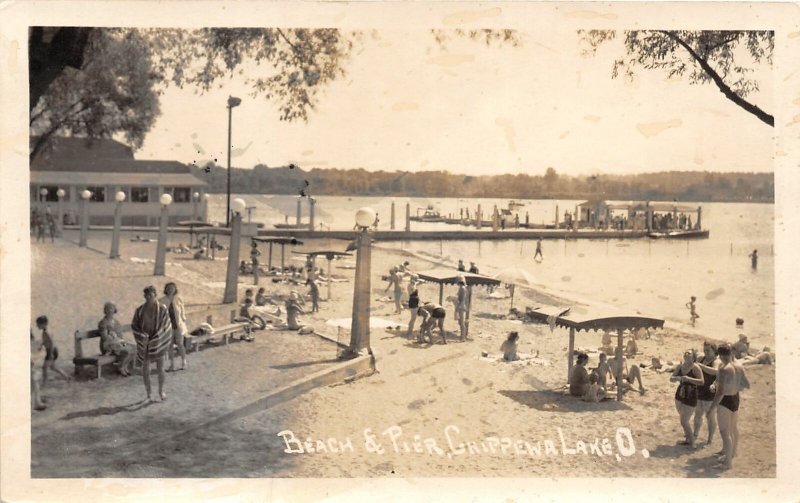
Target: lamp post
[[195, 198], [119, 197], [359, 330], [232, 102], [232, 277], [206, 197], [60, 193], [161, 247], [85, 195], [43, 193]]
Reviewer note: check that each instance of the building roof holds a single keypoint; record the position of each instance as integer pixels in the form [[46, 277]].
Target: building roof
[[125, 178], [80, 149]]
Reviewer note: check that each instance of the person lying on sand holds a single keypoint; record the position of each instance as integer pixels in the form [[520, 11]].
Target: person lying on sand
[[741, 348], [765, 357]]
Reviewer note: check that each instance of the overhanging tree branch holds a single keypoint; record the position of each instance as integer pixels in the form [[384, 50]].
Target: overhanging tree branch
[[721, 85]]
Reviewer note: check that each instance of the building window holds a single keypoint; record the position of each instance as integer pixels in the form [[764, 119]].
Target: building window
[[98, 194], [154, 195], [51, 196], [139, 195], [180, 194]]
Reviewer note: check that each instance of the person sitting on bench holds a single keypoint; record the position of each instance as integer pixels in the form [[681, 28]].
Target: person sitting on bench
[[112, 342]]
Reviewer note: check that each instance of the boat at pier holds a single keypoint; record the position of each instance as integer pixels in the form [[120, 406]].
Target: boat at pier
[[430, 215]]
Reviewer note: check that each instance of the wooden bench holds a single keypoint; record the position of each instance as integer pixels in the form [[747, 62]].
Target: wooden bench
[[98, 360], [224, 332]]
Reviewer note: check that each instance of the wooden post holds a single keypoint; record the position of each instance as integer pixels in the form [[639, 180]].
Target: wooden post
[[391, 218], [283, 255], [469, 306], [115, 236], [84, 222], [232, 276], [311, 207], [556, 216], [299, 210], [329, 279], [478, 217], [441, 293], [618, 355], [699, 217], [571, 351], [269, 260], [161, 246]]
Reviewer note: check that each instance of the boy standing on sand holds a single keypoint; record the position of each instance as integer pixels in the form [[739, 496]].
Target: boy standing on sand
[[51, 351], [692, 309]]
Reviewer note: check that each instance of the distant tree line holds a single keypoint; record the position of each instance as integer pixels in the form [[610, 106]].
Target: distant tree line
[[668, 185]]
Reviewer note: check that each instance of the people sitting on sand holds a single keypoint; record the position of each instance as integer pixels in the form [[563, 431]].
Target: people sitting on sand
[[509, 347], [473, 269], [741, 348], [764, 357], [261, 297], [579, 377], [461, 267], [628, 375], [112, 342], [293, 309], [594, 391], [242, 267], [631, 349]]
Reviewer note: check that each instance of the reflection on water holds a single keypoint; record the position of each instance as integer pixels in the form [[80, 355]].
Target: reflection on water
[[652, 277]]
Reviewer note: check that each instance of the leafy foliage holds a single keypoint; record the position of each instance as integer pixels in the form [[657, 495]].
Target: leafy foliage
[[112, 93], [301, 61], [699, 56]]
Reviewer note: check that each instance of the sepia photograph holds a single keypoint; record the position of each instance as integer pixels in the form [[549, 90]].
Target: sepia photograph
[[457, 246]]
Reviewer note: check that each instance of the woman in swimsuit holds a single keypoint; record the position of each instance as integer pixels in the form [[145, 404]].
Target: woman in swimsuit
[[689, 375], [112, 342], [705, 393]]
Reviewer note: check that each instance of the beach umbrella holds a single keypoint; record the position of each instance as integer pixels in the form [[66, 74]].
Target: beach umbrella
[[515, 276]]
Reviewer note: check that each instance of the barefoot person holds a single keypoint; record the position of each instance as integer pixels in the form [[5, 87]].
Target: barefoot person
[[152, 329], [461, 306], [730, 380], [537, 255], [413, 306], [692, 309], [177, 317], [51, 351], [629, 376], [112, 342], [708, 364], [689, 375]]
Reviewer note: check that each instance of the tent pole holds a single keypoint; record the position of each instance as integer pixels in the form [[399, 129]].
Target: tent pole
[[441, 293], [571, 351], [466, 316], [329, 279], [619, 364], [283, 250], [270, 257]]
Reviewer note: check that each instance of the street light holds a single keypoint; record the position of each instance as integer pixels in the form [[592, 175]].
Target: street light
[[161, 247], [359, 329], [232, 102], [232, 276], [195, 198], [85, 195], [119, 197], [206, 197]]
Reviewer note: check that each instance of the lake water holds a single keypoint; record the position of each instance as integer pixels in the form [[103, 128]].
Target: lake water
[[652, 277]]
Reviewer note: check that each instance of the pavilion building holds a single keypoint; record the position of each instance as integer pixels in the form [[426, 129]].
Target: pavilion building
[[105, 167]]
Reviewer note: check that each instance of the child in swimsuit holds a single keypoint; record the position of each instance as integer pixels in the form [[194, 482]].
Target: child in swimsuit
[[51, 351]]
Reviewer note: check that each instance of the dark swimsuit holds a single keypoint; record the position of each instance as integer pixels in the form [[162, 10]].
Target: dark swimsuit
[[704, 392], [686, 392], [731, 402]]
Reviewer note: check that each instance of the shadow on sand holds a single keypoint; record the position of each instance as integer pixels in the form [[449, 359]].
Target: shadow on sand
[[557, 401], [108, 411]]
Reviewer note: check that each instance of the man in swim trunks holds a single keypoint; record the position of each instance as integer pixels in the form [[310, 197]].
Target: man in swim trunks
[[628, 376], [730, 380]]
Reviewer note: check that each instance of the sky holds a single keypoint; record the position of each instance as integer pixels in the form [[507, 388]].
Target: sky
[[408, 104]]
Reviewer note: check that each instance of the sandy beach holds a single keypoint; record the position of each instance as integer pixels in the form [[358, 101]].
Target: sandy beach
[[431, 410]]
